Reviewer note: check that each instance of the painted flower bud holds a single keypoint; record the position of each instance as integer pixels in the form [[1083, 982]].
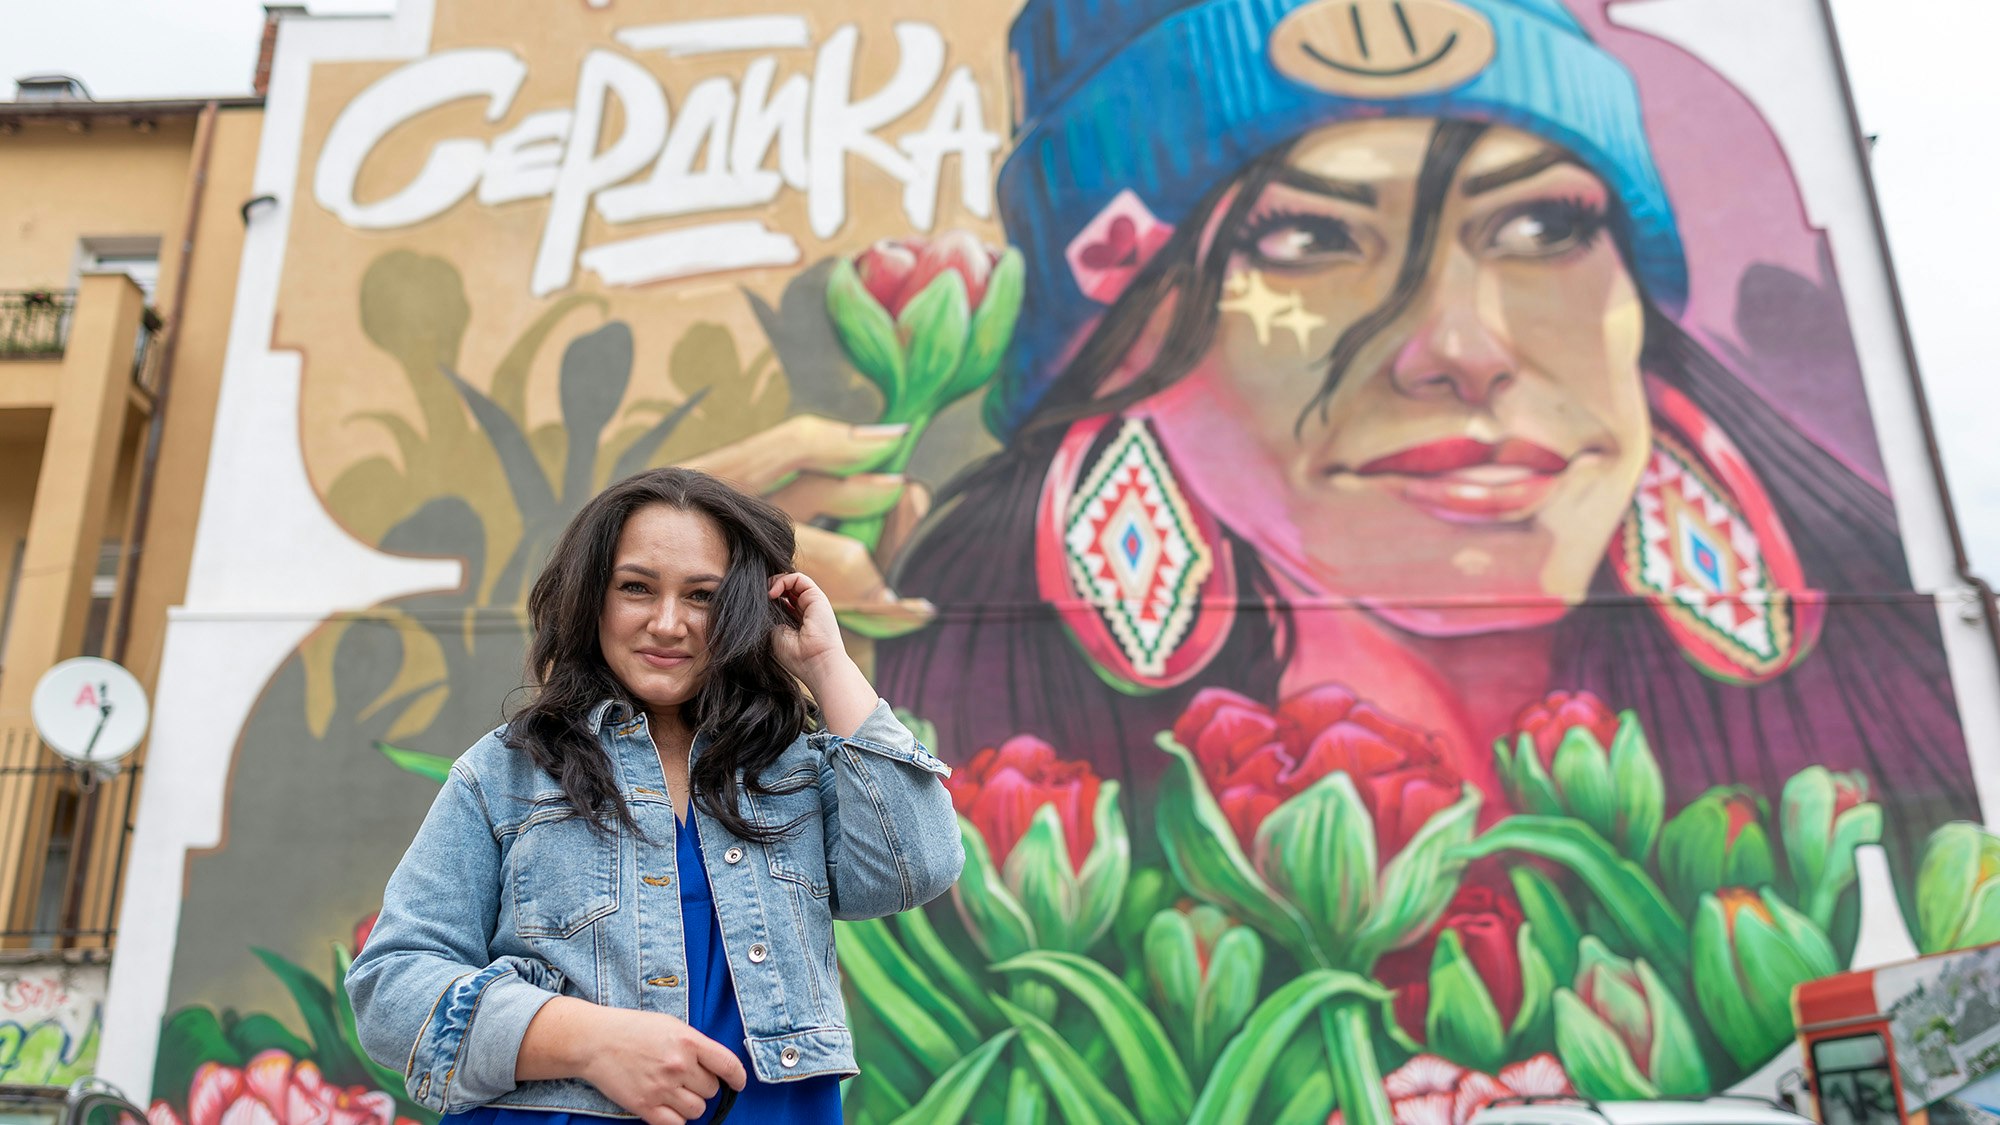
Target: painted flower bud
[[1750, 951], [1572, 756], [1203, 968], [1825, 816], [1958, 905], [1718, 840], [1623, 1032]]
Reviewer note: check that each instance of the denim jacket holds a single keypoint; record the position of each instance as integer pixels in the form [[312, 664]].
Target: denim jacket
[[507, 899]]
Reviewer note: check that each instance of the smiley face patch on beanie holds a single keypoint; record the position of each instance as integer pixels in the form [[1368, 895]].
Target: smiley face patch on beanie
[[1382, 48]]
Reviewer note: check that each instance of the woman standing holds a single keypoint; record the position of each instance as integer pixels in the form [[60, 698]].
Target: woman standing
[[622, 902], [1350, 355]]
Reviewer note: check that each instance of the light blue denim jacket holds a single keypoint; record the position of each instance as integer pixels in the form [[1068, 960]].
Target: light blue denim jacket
[[506, 900]]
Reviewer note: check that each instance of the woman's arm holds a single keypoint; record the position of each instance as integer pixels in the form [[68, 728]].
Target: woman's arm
[[429, 1000], [892, 840]]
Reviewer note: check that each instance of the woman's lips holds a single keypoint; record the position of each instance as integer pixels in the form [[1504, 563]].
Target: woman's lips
[[1462, 480], [660, 659]]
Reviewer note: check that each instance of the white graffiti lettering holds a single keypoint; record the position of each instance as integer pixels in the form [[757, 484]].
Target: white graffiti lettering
[[711, 152]]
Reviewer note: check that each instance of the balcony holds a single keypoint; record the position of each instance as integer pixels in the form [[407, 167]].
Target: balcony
[[34, 323], [36, 334]]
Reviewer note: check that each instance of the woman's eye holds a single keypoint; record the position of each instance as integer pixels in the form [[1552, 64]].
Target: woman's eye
[[1291, 241], [1546, 229], [702, 597], [633, 587]]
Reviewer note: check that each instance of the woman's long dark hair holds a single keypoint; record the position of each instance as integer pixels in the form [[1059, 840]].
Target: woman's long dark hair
[[747, 705], [1876, 696]]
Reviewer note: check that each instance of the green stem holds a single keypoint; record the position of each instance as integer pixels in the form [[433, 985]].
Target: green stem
[[868, 529], [1350, 1052]]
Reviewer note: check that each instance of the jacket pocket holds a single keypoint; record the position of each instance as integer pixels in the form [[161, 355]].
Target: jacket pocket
[[799, 855], [565, 873]]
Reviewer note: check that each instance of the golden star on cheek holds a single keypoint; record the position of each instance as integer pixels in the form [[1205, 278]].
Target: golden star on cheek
[[1267, 308]]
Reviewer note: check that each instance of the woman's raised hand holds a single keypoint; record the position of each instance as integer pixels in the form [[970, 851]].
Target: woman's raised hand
[[805, 465]]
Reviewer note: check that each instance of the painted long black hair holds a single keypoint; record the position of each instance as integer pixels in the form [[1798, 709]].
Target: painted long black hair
[[1876, 696], [747, 705]]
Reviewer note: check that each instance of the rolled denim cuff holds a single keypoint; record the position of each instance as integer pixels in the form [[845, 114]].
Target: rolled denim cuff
[[884, 734], [484, 1069]]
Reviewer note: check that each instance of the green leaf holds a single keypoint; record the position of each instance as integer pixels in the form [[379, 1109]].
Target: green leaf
[[992, 327], [431, 767], [904, 973], [999, 925], [1692, 849], [1318, 851], [1806, 815], [1547, 911], [316, 1007], [1235, 966], [925, 947], [1201, 848], [1159, 1083], [1310, 1104], [935, 323], [1527, 783], [1079, 1094], [1027, 1102], [1946, 881], [1148, 891], [1772, 964], [866, 332], [1418, 883], [189, 1038], [1676, 1065], [1642, 797], [1597, 1061], [1634, 905], [951, 1097], [1462, 1023], [1040, 875], [1750, 862], [260, 1032], [1101, 883], [1532, 1030], [880, 1101], [1857, 826], [1583, 775], [908, 1018], [1232, 1087], [1173, 966]]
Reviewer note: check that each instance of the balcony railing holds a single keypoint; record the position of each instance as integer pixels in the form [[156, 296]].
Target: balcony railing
[[34, 324]]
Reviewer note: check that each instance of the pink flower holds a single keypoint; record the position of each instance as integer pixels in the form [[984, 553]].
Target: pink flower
[[1429, 1090], [894, 271], [274, 1089]]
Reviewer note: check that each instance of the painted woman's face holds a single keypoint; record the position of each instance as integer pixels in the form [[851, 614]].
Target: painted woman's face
[[1484, 443]]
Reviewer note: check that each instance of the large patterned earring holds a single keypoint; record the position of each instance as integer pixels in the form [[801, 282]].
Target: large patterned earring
[[1703, 545], [1140, 576]]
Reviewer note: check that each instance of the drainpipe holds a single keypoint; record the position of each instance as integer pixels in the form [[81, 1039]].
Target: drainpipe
[[1989, 605]]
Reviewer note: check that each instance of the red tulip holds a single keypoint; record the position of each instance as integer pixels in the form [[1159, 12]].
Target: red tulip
[[1548, 721], [1487, 918], [894, 271], [1255, 759], [1000, 791], [361, 931]]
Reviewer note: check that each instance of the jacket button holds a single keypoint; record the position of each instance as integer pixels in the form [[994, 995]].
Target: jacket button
[[789, 1056], [758, 953], [733, 855]]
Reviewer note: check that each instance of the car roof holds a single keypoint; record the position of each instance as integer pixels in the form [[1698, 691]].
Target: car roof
[[1578, 1111]]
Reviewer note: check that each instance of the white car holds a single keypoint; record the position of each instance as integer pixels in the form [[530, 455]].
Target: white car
[[1719, 1110]]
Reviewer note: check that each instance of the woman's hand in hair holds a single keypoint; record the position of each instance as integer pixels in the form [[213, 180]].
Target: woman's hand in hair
[[811, 650], [806, 465]]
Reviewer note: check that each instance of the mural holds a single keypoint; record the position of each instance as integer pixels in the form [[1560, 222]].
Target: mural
[[1375, 498], [51, 1011]]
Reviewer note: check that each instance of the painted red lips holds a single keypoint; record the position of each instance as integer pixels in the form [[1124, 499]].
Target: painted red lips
[[1463, 480]]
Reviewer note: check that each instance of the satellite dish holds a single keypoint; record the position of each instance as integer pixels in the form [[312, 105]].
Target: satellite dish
[[92, 712]]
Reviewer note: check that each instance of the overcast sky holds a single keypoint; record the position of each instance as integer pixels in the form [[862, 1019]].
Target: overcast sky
[[1934, 174]]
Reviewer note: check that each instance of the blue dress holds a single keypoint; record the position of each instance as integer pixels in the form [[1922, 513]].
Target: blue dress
[[712, 1011]]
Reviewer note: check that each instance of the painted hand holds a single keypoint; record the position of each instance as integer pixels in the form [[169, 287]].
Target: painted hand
[[802, 465]]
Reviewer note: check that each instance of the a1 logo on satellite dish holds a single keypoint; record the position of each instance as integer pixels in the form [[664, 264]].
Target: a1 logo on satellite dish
[[1382, 48], [92, 712]]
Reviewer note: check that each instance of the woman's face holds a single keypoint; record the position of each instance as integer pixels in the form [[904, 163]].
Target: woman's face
[[1484, 443], [654, 626]]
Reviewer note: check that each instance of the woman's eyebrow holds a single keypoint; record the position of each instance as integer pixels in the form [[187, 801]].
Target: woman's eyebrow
[[641, 571], [1517, 171], [1326, 185]]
